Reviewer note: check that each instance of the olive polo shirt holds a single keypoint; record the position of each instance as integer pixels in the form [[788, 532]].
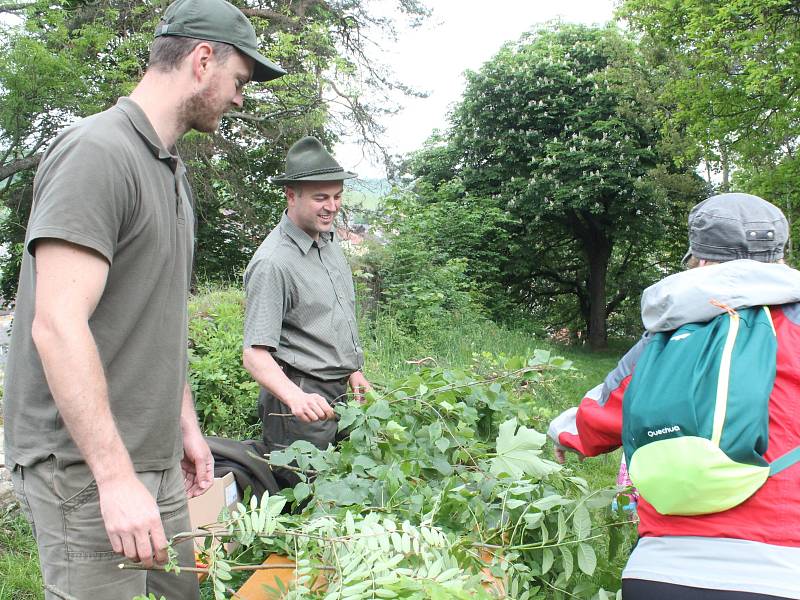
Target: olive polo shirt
[[108, 184], [301, 303]]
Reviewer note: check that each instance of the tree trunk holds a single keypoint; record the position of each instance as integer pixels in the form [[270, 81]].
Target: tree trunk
[[726, 169], [599, 254]]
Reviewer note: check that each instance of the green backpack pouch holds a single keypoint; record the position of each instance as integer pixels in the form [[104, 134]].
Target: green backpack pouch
[[695, 415]]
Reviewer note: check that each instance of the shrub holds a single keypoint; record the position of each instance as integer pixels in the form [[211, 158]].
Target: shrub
[[225, 394], [415, 279]]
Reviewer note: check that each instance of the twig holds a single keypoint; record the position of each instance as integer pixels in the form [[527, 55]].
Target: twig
[[422, 361], [139, 567]]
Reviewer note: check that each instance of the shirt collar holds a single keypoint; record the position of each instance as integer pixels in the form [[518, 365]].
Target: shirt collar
[[300, 237], [142, 125]]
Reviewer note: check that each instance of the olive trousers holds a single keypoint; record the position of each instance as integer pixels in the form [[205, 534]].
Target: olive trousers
[[62, 505]]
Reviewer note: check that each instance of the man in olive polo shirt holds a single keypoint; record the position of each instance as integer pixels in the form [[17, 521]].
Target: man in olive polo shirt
[[300, 337], [100, 428]]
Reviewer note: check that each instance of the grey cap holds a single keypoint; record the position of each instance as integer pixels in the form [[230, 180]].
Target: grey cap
[[732, 226], [218, 21]]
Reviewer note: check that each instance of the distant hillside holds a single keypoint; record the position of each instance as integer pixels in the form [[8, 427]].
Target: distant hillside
[[366, 193]]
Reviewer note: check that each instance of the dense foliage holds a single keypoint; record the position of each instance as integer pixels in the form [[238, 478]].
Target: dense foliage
[[427, 267], [732, 86], [559, 132], [67, 59]]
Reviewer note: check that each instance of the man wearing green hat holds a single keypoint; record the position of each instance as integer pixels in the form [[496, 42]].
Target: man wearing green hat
[[100, 428], [300, 336]]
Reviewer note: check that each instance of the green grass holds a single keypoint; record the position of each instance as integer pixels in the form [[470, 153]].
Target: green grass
[[19, 568]]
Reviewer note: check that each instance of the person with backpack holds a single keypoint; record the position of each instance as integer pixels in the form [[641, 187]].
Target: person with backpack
[[707, 407]]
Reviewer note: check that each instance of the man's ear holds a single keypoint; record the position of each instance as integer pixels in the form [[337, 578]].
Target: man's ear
[[200, 59]]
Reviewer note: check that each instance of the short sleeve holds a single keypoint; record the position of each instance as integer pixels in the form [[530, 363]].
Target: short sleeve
[[268, 299], [82, 194]]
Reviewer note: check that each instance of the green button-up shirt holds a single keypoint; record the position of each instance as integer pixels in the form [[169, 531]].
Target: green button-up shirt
[[301, 303]]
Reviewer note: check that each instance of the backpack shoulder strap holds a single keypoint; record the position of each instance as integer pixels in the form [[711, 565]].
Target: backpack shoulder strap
[[784, 462]]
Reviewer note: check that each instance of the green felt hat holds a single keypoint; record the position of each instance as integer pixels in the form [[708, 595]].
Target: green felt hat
[[218, 21], [307, 160]]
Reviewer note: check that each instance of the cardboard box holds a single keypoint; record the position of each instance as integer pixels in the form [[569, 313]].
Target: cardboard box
[[259, 584], [205, 509]]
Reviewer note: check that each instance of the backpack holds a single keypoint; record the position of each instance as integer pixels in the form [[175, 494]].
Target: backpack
[[695, 414]]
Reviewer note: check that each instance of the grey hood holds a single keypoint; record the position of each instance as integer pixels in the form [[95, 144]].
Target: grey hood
[[686, 297]]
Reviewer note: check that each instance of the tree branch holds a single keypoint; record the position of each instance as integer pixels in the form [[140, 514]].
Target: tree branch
[[21, 164], [270, 15], [15, 6]]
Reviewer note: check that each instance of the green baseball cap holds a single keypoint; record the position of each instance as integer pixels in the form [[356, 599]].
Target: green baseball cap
[[217, 21]]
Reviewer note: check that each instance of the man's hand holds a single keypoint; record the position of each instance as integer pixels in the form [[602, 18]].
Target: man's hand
[[132, 521], [310, 407], [359, 385], [197, 464]]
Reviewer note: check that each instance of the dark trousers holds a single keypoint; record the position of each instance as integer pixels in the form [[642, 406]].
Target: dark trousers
[[280, 428], [639, 589]]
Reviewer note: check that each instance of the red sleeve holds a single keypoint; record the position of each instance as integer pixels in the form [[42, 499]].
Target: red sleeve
[[599, 427]]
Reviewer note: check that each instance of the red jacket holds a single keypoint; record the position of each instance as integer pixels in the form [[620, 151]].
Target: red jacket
[[772, 514]]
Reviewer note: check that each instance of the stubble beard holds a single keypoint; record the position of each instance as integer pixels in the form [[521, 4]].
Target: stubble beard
[[201, 112]]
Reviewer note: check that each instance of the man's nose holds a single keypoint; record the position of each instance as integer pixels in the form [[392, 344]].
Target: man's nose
[[238, 100]]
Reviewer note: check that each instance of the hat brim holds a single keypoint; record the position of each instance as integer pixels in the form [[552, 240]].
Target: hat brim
[[338, 176], [264, 69]]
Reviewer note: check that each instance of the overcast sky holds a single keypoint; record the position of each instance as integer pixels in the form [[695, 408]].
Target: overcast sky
[[461, 34]]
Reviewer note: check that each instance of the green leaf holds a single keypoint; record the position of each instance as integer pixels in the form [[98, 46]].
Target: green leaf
[[581, 522], [380, 410], [587, 560], [567, 562], [532, 520], [600, 499], [518, 450], [301, 491], [548, 502], [614, 542], [548, 558], [348, 415], [540, 357]]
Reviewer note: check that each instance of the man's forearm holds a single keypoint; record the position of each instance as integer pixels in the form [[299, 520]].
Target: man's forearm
[[269, 375], [305, 406], [77, 381]]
